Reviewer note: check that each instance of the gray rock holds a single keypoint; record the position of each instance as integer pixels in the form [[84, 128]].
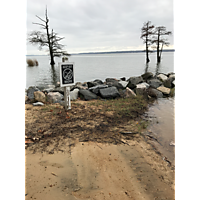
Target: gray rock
[[109, 93], [87, 95], [142, 85], [92, 84], [30, 92], [74, 94], [98, 81], [155, 83], [54, 97], [95, 89], [123, 79], [123, 83], [133, 81], [147, 75], [38, 104], [115, 84], [162, 77], [154, 93], [108, 80], [168, 82]]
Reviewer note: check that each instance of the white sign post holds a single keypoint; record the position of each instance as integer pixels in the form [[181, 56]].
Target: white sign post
[[67, 79]]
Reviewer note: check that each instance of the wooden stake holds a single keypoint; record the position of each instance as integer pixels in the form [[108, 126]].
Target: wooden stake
[[67, 98]]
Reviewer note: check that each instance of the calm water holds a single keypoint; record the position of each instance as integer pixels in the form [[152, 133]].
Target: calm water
[[163, 125], [102, 66], [98, 66]]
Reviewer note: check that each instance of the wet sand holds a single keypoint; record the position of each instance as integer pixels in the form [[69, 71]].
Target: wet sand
[[98, 171]]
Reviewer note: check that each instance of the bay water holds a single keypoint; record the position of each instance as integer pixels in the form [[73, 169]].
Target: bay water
[[89, 67]]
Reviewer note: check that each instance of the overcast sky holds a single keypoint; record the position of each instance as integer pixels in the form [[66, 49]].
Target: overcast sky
[[99, 25]]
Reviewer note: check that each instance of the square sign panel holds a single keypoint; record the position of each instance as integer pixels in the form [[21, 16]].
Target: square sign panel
[[66, 74]]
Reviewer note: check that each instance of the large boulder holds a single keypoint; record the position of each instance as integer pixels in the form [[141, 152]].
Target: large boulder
[[40, 96], [133, 81], [94, 83], [142, 85], [154, 83], [109, 93], [129, 93], [115, 84], [54, 97], [162, 77], [95, 89], [164, 90], [168, 83], [123, 83], [147, 75], [154, 93], [30, 92], [87, 95]]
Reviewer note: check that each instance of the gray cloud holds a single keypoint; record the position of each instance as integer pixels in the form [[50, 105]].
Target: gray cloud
[[100, 25]]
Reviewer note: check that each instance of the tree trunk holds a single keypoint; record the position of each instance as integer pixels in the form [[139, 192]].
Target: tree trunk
[[160, 53], [49, 42], [158, 49], [147, 51]]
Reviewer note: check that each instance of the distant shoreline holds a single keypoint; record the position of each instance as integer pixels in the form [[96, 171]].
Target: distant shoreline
[[114, 52]]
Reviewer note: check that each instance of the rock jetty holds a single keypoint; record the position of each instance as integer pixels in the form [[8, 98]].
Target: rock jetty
[[147, 85]]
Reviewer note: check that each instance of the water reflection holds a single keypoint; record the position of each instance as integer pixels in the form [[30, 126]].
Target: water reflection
[[156, 69], [146, 68], [158, 65], [54, 75]]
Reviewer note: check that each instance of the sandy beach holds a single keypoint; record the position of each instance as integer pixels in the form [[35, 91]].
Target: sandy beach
[[77, 166]]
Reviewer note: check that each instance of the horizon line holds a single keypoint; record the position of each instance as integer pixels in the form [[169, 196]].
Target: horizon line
[[102, 52]]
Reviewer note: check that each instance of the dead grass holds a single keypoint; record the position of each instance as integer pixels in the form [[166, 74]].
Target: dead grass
[[123, 107]]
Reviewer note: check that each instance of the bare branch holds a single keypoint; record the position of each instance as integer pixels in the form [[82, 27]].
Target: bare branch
[[40, 24], [41, 19]]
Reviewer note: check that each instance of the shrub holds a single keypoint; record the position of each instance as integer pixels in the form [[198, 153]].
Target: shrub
[[32, 63]]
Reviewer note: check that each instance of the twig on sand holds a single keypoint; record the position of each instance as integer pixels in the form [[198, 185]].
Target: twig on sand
[[150, 136], [99, 146]]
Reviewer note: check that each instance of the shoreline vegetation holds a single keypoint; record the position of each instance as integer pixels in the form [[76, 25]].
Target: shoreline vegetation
[[32, 62]]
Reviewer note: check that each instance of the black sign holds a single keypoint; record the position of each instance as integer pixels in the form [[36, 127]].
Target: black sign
[[67, 74]]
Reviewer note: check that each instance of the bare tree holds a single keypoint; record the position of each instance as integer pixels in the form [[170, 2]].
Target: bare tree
[[146, 33], [159, 40], [47, 39]]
